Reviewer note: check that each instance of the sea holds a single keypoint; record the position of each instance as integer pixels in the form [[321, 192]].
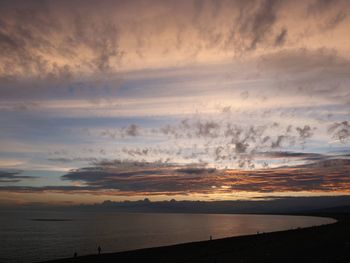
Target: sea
[[32, 236]]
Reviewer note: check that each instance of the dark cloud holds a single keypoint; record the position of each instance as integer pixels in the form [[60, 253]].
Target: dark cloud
[[321, 6], [73, 159], [305, 132], [13, 177], [105, 46], [285, 154], [132, 130], [278, 143], [281, 37], [196, 170], [130, 178], [334, 21], [57, 188], [332, 10], [158, 177], [139, 152], [207, 129], [328, 163], [253, 25]]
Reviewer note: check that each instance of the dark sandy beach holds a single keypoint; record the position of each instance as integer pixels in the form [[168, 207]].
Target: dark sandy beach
[[328, 243]]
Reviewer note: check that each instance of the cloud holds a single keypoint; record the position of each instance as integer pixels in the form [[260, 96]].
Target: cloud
[[74, 159], [334, 21], [340, 131], [157, 177], [304, 60], [259, 22], [34, 32], [218, 140], [286, 154], [132, 130], [124, 78], [13, 177], [321, 6], [318, 73], [328, 163], [50, 50], [305, 132], [281, 37], [133, 178], [56, 38]]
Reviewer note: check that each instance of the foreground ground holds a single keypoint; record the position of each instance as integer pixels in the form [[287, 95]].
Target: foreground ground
[[329, 243]]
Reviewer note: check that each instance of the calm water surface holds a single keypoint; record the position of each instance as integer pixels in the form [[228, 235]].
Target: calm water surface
[[26, 240]]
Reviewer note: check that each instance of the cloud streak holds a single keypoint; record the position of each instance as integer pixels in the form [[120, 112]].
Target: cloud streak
[[13, 177], [137, 178]]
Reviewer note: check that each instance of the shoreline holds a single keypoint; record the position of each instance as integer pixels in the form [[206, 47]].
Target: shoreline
[[323, 243]]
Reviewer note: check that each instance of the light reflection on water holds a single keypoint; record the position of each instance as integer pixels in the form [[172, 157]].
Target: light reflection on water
[[27, 240]]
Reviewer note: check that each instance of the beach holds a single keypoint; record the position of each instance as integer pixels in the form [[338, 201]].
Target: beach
[[326, 243]]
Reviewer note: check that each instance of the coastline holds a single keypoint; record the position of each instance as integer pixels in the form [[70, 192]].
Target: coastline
[[324, 243]]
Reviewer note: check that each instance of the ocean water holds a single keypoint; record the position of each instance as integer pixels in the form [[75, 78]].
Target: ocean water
[[28, 236]]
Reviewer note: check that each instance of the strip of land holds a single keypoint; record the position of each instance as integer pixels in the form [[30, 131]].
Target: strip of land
[[327, 243]]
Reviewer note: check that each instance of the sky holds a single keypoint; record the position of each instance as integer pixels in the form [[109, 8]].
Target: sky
[[192, 100]]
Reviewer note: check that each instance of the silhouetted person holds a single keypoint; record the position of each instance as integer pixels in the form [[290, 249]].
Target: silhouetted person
[[211, 238], [75, 254], [99, 250]]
